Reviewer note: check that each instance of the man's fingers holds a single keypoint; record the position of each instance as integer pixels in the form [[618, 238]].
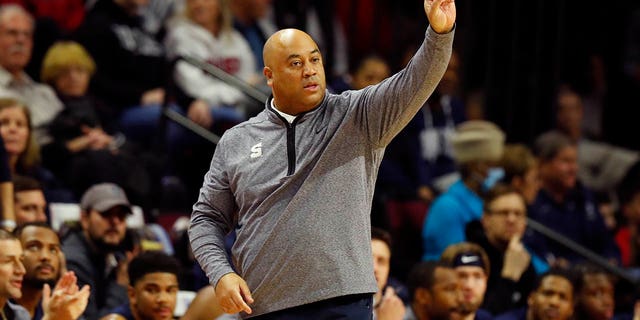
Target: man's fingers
[[389, 292], [515, 242], [46, 292], [434, 4], [85, 291], [240, 303], [246, 293]]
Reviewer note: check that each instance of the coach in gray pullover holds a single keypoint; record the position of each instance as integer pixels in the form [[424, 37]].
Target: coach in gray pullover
[[296, 181]]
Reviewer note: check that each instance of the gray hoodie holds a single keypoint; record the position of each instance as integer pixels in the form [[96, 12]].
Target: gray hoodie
[[299, 195]]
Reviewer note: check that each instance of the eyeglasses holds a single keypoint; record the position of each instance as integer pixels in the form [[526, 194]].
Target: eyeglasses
[[506, 212]]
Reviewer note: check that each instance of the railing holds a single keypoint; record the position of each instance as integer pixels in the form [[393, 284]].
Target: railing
[[217, 73], [581, 250]]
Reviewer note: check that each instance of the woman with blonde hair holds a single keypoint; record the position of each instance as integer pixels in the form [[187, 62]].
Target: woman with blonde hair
[[86, 147]]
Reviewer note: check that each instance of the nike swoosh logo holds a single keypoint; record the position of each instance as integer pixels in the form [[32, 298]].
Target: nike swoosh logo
[[468, 259]]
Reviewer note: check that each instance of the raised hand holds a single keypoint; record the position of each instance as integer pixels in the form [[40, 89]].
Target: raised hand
[[66, 302], [516, 260], [391, 306], [441, 14], [233, 294]]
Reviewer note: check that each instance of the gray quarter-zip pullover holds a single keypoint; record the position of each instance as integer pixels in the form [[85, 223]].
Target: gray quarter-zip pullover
[[299, 195]]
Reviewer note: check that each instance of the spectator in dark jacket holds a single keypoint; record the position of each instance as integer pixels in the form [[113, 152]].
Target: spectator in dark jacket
[[565, 205]]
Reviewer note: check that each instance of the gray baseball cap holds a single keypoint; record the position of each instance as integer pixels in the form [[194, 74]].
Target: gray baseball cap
[[104, 196]]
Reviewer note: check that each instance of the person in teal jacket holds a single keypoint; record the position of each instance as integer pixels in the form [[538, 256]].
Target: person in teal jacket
[[477, 147]]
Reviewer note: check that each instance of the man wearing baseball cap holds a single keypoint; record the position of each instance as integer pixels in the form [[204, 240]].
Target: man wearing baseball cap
[[97, 251]]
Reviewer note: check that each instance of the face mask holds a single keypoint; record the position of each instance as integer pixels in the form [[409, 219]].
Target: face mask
[[494, 175]]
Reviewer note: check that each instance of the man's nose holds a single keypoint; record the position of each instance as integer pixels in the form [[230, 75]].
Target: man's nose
[[42, 215], [20, 270], [554, 300], [23, 36], [309, 70]]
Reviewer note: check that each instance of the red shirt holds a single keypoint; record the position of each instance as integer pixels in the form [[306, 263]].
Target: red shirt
[[67, 14]]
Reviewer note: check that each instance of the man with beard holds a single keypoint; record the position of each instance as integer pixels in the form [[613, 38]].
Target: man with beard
[[97, 252], [435, 292], [153, 288], [551, 299], [42, 260], [472, 267], [64, 302]]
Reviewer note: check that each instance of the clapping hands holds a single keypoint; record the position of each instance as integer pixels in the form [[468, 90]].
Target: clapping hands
[[67, 301]]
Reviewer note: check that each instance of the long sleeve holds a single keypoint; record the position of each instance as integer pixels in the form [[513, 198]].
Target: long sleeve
[[213, 218], [291, 189], [388, 107]]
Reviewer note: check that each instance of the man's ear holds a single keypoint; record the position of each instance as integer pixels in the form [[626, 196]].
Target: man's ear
[[423, 296], [484, 220], [530, 299], [84, 219], [131, 293], [268, 74]]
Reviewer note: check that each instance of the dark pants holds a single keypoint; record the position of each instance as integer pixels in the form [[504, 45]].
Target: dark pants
[[357, 306]]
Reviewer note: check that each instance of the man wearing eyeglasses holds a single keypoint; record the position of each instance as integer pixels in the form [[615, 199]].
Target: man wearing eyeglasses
[[512, 274], [97, 251]]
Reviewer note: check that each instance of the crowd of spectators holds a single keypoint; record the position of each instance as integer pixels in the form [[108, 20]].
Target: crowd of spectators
[[83, 87]]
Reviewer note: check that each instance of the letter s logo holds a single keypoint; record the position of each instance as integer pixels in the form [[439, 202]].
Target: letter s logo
[[256, 151]]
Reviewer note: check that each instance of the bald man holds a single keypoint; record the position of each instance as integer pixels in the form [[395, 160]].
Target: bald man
[[296, 182]]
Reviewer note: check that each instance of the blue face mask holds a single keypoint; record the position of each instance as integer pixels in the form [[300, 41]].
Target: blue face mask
[[494, 175]]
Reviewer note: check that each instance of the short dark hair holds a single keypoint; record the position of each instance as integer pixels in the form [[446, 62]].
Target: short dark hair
[[557, 273], [382, 235], [24, 183], [549, 144], [497, 191], [40, 224], [151, 262], [584, 269], [422, 275]]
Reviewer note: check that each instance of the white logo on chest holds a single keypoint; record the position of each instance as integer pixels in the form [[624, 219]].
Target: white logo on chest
[[256, 151]]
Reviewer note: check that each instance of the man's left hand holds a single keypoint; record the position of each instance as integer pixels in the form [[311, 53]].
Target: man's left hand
[[66, 302]]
